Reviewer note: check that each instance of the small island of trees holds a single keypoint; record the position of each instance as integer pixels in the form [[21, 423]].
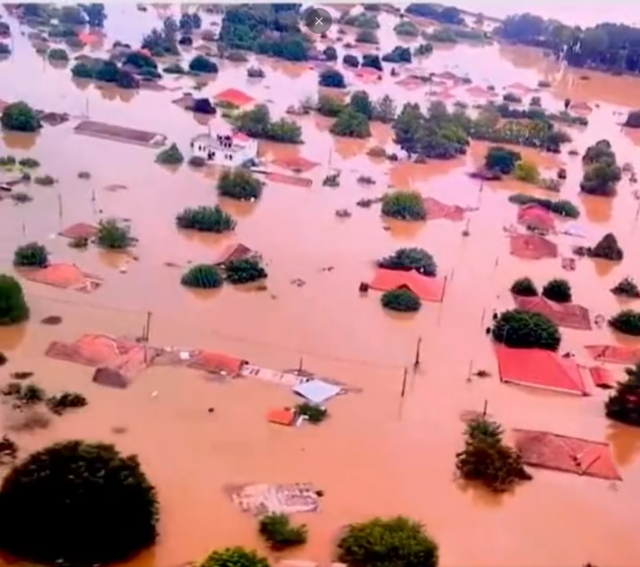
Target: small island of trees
[[623, 405], [404, 205], [20, 117], [401, 300], [205, 219], [626, 322], [257, 123], [517, 328], [601, 170], [13, 305], [239, 184]]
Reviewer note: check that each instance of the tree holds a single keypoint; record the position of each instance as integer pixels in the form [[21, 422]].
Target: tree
[[601, 170], [91, 484], [244, 270], [382, 542], [140, 60], [234, 557], [82, 70], [107, 71], [367, 36], [626, 287], [127, 80], [417, 259], [526, 171], [384, 110], [487, 459], [558, 290], [351, 124], [57, 54], [330, 53], [423, 49], [205, 219], [20, 117], [350, 60], [398, 54], [406, 28], [329, 106], [280, 533], [401, 300], [170, 156], [257, 123], [200, 64], [626, 322], [501, 159], [623, 405], [404, 205], [72, 15], [633, 119], [607, 248], [4, 49], [371, 60], [202, 276], [437, 13], [13, 306], [239, 184], [31, 255], [332, 78], [114, 236], [95, 14], [512, 98], [526, 329], [361, 103], [524, 287]]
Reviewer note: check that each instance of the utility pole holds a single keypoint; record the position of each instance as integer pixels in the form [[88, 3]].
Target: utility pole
[[416, 360]]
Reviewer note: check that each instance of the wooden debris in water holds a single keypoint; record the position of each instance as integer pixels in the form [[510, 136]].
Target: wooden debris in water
[[51, 320], [21, 375]]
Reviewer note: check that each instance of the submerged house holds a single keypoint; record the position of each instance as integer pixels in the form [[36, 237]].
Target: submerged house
[[232, 149]]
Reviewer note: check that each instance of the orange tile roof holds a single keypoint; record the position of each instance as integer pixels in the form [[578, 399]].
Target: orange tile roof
[[234, 97], [216, 362], [602, 377], [282, 416], [426, 288], [537, 216]]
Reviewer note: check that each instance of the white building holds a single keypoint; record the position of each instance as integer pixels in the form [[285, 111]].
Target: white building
[[231, 149]]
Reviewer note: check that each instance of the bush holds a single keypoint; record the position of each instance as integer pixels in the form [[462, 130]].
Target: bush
[[404, 205], [626, 287], [558, 290], [127, 80], [410, 259], [4, 49], [82, 70], [501, 159], [57, 54], [607, 249], [401, 300], [512, 98], [406, 28], [234, 557], [114, 236], [202, 276], [90, 484], [197, 161], [380, 542], [20, 117], [623, 405], [487, 459], [350, 60], [633, 119], [31, 255], [626, 322], [200, 64], [206, 219], [367, 36], [170, 156], [29, 163], [524, 287], [174, 69], [397, 55], [61, 403], [332, 78], [351, 124], [239, 184], [527, 172], [524, 329], [279, 533], [13, 306], [561, 207], [44, 180], [330, 53], [244, 270]]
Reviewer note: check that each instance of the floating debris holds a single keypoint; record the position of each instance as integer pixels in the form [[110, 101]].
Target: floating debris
[[51, 320], [262, 499]]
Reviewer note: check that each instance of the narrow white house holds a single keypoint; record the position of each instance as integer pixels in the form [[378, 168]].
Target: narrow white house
[[229, 149]]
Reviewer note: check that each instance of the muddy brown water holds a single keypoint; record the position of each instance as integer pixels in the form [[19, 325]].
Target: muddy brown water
[[376, 455]]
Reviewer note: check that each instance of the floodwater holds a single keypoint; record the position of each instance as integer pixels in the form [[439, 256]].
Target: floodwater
[[378, 453]]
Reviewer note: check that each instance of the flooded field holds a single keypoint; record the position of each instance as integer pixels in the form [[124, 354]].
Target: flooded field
[[379, 453]]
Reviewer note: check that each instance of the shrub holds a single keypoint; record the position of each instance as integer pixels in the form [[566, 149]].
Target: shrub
[[31, 255], [235, 557], [127, 80], [57, 54], [406, 28], [114, 236], [314, 413], [280, 533], [404, 205], [561, 207], [501, 159], [381, 542], [170, 156], [201, 64], [330, 53], [239, 184], [624, 404], [197, 161], [487, 459], [202, 276], [527, 172], [401, 300], [626, 287], [174, 69], [331, 78], [82, 70], [351, 124], [4, 49], [524, 287], [512, 98], [92, 483], [206, 219], [20, 117], [633, 119], [607, 249], [44, 180], [29, 163], [7, 161], [61, 403], [524, 329], [557, 290], [367, 36], [13, 306], [626, 322], [410, 259], [244, 270], [350, 60]]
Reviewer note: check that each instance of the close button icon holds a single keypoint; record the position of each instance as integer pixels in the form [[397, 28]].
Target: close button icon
[[318, 21]]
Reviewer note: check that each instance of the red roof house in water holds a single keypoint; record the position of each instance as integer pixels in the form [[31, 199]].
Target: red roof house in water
[[532, 246], [425, 287], [568, 315], [536, 216], [234, 97], [614, 354], [539, 368]]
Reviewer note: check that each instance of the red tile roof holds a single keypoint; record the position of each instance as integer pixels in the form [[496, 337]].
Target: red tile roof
[[426, 288], [234, 97]]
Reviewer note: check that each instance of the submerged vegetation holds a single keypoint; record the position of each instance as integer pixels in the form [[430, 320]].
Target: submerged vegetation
[[280, 533], [601, 170], [526, 329], [623, 405], [31, 255], [239, 184], [407, 259], [560, 207], [404, 205], [202, 276], [626, 322], [401, 300], [257, 123], [205, 219], [13, 305]]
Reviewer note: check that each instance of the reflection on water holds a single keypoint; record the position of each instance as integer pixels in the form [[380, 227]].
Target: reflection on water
[[406, 467]]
